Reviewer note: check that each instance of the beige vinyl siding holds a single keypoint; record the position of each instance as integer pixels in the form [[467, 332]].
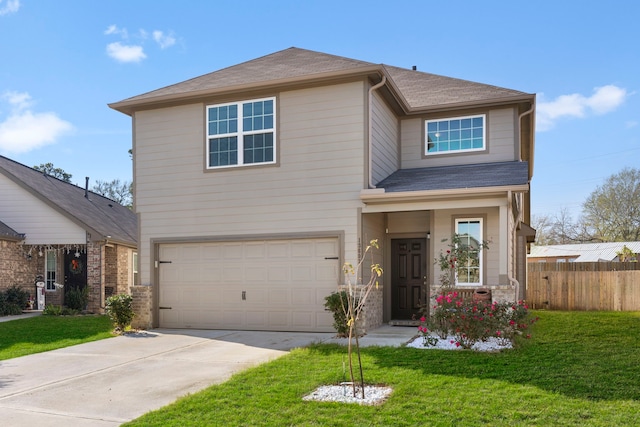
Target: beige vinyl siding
[[384, 129], [313, 188], [408, 222], [501, 142], [42, 224]]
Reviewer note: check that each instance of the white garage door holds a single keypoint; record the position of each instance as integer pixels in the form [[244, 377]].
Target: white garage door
[[272, 285]]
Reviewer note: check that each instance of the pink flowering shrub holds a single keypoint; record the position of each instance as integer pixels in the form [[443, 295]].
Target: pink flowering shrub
[[471, 321]]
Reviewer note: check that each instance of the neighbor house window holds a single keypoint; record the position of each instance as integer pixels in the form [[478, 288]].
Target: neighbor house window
[[469, 230], [241, 133], [50, 270], [455, 135], [134, 269]]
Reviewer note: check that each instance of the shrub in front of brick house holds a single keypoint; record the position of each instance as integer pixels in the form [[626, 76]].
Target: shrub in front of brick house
[[470, 321], [119, 308], [13, 300]]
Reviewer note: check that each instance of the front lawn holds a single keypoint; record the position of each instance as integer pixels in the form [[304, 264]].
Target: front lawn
[[580, 369], [21, 337]]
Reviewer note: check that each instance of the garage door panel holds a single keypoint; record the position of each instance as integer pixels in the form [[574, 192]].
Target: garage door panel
[[233, 251], [303, 274], [232, 272], [254, 250], [278, 250], [277, 274], [303, 249], [256, 319], [285, 284], [279, 319], [304, 297]]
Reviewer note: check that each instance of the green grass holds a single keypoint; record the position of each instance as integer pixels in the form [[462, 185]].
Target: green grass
[[580, 369], [21, 337]]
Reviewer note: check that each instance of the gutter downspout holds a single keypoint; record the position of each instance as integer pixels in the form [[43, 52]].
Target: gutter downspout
[[514, 239], [520, 116], [512, 279], [371, 89]]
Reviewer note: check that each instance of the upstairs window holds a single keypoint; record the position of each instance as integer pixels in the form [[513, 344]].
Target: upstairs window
[[241, 133], [454, 135]]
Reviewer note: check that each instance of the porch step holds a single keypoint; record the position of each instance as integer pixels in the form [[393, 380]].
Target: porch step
[[404, 323]]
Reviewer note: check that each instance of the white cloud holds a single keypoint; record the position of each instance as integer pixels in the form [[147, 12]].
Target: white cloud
[[603, 100], [11, 6], [113, 29], [18, 100], [24, 130], [133, 51], [164, 40], [125, 53]]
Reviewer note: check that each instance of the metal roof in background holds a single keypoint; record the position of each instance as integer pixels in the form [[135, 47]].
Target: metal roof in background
[[586, 252]]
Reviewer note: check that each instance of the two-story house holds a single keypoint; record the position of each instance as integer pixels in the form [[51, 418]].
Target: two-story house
[[255, 183]]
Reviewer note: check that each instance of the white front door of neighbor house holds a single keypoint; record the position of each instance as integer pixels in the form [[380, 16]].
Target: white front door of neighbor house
[[274, 285]]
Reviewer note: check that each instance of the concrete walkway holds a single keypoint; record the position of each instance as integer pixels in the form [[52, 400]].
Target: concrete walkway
[[109, 382]]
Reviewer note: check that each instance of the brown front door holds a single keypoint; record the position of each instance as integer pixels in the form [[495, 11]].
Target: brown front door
[[408, 274]]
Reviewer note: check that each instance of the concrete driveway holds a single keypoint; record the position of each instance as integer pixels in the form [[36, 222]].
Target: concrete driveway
[[109, 382]]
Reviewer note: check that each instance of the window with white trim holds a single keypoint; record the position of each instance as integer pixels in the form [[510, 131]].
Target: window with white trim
[[241, 133], [457, 134], [134, 269], [50, 263], [469, 231]]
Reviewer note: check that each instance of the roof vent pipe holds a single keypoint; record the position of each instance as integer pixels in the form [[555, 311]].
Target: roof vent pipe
[[371, 89], [86, 187]]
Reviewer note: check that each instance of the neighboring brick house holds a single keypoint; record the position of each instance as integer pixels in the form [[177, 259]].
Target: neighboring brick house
[[65, 234], [256, 182]]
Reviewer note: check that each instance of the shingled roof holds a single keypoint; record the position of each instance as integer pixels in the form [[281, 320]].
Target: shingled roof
[[8, 233], [457, 177], [97, 214], [416, 90]]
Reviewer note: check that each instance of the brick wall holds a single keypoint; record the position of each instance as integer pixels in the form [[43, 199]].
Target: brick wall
[[16, 268], [95, 277], [142, 300], [372, 316], [122, 270]]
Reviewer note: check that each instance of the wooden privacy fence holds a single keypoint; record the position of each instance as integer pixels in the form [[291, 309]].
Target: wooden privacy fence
[[613, 286]]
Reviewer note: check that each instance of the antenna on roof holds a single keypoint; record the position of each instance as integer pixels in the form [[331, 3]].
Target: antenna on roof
[[86, 187]]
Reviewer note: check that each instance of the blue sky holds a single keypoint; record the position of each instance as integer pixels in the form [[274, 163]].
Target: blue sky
[[62, 62]]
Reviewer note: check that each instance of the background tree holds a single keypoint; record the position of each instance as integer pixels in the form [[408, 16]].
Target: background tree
[[613, 209], [53, 171], [561, 229], [116, 190]]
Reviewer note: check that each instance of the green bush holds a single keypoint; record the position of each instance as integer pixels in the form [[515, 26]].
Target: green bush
[[13, 300], [77, 298], [337, 303], [120, 311], [52, 310], [56, 310]]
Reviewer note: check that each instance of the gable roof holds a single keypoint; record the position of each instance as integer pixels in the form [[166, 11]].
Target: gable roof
[[415, 90], [457, 177], [585, 252], [8, 233], [97, 214]]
